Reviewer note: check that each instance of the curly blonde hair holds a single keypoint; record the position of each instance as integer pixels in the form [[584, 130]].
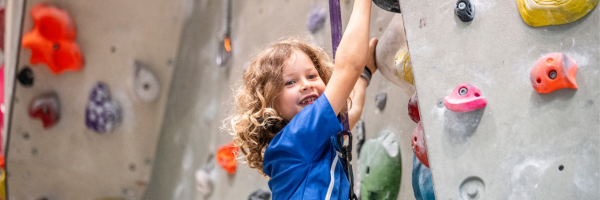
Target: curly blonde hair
[[255, 121]]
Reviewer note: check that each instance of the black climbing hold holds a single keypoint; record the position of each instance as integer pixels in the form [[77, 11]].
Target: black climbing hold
[[380, 100], [260, 194], [464, 10], [26, 77], [389, 5]]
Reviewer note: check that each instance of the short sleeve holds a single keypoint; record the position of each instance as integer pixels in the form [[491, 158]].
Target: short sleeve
[[307, 135]]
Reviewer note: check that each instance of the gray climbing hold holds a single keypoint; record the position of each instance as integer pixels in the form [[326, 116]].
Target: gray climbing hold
[[260, 194], [146, 84], [380, 100]]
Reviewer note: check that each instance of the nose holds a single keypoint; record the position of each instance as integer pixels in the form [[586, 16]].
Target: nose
[[306, 85]]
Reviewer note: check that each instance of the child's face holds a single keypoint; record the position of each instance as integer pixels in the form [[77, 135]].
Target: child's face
[[302, 86]]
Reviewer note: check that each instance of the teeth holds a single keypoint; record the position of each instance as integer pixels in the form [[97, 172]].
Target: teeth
[[308, 100]]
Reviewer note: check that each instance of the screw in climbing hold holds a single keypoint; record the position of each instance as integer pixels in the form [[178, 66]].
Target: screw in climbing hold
[[463, 91], [440, 103], [462, 5], [464, 10], [552, 74]]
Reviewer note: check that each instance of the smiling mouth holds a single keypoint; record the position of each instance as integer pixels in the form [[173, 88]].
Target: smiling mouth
[[308, 100]]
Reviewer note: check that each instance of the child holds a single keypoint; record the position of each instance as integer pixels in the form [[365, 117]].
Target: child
[[286, 122]]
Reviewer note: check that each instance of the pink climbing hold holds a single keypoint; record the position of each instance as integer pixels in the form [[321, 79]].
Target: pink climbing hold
[[465, 98], [419, 146], [413, 108]]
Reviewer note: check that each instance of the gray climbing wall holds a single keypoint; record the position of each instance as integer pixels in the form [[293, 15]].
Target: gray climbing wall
[[68, 160], [201, 92], [513, 148]]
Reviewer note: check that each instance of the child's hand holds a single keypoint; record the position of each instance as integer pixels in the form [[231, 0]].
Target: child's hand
[[371, 55]]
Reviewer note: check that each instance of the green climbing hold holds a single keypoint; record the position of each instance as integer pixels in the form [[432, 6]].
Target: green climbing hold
[[380, 167]]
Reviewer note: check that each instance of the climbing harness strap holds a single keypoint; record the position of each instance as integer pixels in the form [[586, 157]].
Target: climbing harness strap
[[344, 137]]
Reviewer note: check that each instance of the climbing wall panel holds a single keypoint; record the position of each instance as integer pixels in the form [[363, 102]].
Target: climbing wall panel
[[522, 144], [201, 95], [131, 48]]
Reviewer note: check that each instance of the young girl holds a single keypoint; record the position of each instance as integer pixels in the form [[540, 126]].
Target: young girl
[[286, 120]]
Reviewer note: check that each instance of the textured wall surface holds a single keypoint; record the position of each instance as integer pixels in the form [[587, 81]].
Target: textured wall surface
[[201, 93], [68, 160], [514, 147]]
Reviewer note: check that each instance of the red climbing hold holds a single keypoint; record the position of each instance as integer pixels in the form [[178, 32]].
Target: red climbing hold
[[465, 98], [226, 157], [553, 71], [413, 108], [419, 146], [52, 40], [45, 108]]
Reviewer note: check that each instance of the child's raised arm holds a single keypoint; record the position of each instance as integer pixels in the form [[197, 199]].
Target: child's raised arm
[[351, 56]]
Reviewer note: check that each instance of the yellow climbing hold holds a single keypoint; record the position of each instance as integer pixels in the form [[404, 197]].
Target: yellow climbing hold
[[554, 12], [403, 66]]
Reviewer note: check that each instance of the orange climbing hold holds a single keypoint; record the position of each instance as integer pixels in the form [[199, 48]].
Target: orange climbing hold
[[554, 71], [226, 157], [52, 40]]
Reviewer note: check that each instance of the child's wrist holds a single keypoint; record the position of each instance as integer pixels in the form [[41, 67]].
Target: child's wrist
[[366, 74]]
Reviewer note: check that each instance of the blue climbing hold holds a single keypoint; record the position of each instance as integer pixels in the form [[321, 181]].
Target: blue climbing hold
[[421, 181]]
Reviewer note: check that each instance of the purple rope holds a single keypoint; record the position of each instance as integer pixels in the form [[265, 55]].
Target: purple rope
[[335, 18]]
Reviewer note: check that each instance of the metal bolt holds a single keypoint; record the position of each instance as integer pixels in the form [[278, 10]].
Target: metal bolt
[[462, 5], [552, 74], [463, 91]]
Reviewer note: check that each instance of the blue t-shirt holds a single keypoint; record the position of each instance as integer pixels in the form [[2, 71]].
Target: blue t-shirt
[[303, 160]]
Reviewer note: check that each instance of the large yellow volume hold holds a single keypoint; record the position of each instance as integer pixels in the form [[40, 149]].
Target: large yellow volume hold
[[554, 12], [403, 66]]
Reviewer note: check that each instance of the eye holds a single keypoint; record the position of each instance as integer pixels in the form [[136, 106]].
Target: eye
[[289, 83], [312, 76]]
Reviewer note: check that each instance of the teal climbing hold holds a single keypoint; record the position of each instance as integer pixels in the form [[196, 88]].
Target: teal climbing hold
[[380, 167], [421, 181]]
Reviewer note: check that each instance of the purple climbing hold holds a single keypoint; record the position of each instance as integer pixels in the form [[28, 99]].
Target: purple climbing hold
[[318, 14], [102, 114]]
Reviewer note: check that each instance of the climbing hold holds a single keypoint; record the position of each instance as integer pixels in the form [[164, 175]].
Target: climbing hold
[[472, 188], [464, 10], [466, 97], [226, 157], [204, 183], [360, 134], [403, 65], [102, 114], [260, 194], [413, 108], [418, 144], [421, 181], [146, 84], [380, 167], [380, 100], [318, 14], [46, 108], [389, 5], [553, 71], [25, 77], [52, 40], [554, 12]]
